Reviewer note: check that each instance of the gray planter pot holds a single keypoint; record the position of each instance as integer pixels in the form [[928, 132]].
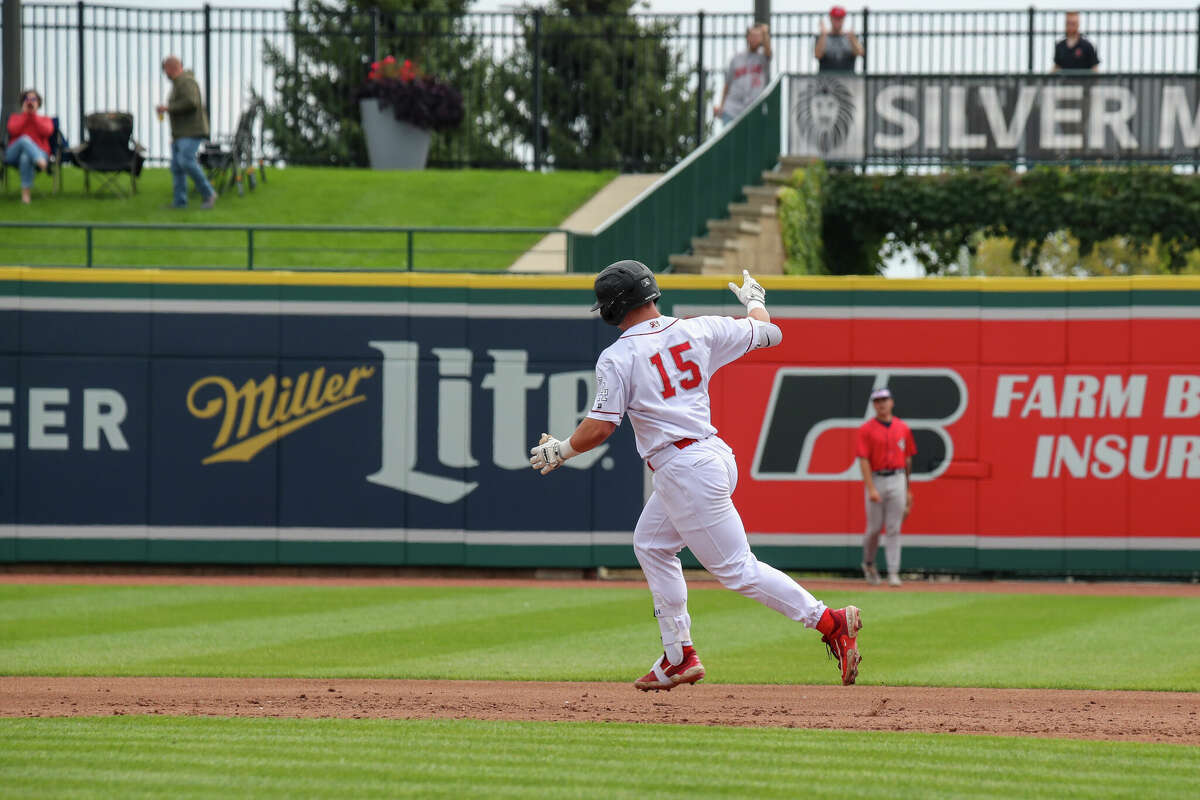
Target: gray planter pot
[[392, 144]]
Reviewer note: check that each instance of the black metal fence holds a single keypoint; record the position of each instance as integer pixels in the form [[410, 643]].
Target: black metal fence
[[632, 93]]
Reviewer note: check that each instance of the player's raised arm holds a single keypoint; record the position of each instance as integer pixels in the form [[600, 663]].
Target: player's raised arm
[[753, 296]]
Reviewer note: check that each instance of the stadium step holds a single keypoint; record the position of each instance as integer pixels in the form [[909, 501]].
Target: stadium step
[[788, 164], [761, 195], [751, 212], [749, 238], [697, 265], [732, 228]]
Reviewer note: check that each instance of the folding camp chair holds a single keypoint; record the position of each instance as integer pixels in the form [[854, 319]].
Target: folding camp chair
[[58, 153], [110, 152], [230, 160]]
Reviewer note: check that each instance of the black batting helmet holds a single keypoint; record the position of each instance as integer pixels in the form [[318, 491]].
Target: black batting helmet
[[622, 287]]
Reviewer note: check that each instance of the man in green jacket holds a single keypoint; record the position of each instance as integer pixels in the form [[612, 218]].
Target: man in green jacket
[[189, 129]]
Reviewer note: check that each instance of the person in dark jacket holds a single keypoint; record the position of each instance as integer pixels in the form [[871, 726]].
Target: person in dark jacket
[[189, 129]]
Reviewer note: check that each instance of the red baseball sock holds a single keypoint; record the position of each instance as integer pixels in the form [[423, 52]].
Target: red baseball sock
[[827, 624]]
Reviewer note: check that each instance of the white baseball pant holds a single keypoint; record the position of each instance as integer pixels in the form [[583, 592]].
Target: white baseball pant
[[886, 515], [692, 507]]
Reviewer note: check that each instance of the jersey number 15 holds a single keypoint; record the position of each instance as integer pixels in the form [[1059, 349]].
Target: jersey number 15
[[692, 369]]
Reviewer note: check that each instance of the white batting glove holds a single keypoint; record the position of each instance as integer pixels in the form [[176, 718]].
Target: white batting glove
[[549, 454], [751, 294]]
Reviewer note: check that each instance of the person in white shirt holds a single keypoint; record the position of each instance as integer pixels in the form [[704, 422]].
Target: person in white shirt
[[658, 372], [748, 74]]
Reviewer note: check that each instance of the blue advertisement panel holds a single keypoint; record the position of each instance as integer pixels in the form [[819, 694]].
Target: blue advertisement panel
[[307, 421], [81, 429]]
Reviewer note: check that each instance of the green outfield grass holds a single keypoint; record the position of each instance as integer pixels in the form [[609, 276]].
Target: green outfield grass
[[304, 196], [601, 634], [174, 757]]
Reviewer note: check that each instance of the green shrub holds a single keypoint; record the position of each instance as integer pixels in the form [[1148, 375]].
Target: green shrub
[[800, 221], [943, 218]]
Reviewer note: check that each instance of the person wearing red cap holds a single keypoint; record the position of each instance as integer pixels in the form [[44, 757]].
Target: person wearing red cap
[[837, 47], [885, 450]]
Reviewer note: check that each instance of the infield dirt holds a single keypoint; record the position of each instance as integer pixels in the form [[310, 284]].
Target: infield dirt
[[1086, 714]]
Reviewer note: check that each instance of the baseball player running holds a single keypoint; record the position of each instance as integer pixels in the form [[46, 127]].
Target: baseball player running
[[658, 372], [885, 450]]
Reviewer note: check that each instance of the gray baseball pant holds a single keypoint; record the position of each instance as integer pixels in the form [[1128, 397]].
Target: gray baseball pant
[[885, 515]]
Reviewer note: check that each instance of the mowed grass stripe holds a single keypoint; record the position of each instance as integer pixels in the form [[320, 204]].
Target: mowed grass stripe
[[434, 647], [1051, 642], [586, 634], [285, 631], [206, 757], [74, 613]]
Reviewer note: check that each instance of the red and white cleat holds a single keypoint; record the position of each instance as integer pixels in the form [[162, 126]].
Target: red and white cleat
[[843, 641], [665, 676]]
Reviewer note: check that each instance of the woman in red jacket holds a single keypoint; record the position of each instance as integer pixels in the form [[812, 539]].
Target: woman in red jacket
[[29, 141]]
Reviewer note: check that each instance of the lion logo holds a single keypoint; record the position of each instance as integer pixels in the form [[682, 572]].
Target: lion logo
[[825, 112]]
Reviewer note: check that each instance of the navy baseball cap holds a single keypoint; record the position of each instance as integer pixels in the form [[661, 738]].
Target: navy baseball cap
[[881, 393]]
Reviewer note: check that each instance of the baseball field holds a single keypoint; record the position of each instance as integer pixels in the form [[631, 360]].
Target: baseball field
[[195, 686]]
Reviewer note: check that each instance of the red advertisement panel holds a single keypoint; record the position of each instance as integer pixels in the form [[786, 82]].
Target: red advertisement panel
[[1023, 426]]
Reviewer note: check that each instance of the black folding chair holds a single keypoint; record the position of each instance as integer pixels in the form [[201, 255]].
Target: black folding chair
[[229, 160], [58, 153], [110, 152]]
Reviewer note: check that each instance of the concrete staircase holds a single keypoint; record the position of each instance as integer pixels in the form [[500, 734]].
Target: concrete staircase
[[748, 239]]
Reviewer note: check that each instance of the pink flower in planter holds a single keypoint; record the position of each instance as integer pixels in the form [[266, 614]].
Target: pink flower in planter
[[413, 97]]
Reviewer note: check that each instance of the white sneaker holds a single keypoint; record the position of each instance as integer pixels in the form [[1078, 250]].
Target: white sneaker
[[870, 573], [894, 580]]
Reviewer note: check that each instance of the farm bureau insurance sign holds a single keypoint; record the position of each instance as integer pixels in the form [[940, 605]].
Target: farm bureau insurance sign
[[996, 117]]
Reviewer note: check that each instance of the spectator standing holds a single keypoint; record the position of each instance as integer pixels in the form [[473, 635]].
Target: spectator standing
[[189, 129], [837, 48], [1075, 51], [884, 451], [29, 141], [748, 73]]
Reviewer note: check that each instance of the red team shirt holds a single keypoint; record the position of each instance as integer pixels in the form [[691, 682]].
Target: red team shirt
[[885, 446]]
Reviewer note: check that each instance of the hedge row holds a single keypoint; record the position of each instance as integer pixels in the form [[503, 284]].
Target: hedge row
[[800, 221], [939, 218]]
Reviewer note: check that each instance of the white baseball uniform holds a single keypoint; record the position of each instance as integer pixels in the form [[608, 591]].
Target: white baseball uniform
[[658, 373]]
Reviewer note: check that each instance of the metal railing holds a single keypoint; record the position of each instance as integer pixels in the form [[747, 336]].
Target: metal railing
[[663, 219], [89, 58], [278, 246]]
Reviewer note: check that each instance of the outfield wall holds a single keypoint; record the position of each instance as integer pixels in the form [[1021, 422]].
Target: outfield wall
[[291, 418]]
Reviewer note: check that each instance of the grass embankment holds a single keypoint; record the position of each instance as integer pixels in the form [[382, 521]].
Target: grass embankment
[[598, 634], [197, 757], [302, 196]]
